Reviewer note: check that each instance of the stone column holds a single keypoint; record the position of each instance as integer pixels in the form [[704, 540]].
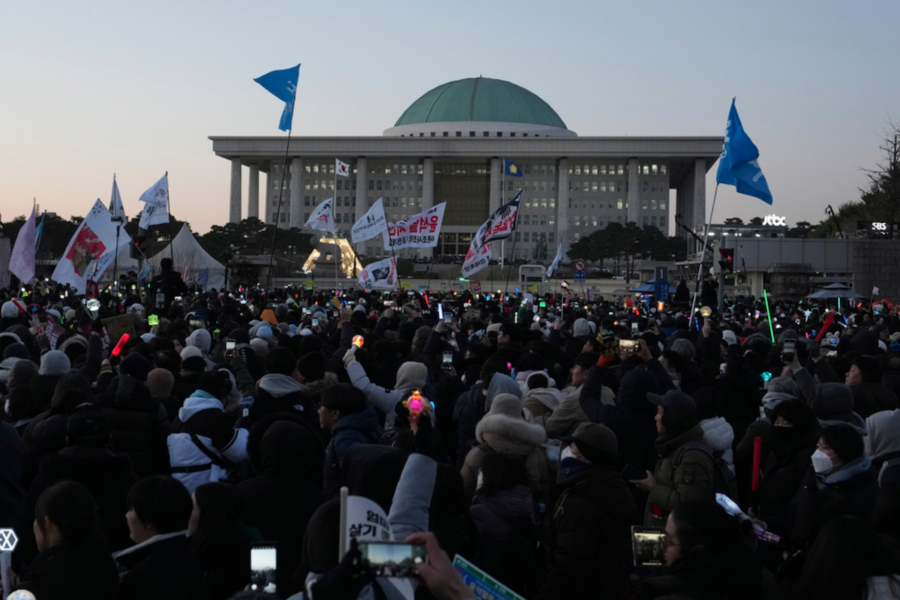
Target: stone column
[[234, 214], [496, 182], [296, 193], [362, 196], [562, 203], [634, 192], [253, 193], [427, 195]]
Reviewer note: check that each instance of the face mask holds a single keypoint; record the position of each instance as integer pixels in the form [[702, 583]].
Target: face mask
[[821, 462]]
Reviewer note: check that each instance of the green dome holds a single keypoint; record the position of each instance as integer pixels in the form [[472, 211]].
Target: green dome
[[480, 99]]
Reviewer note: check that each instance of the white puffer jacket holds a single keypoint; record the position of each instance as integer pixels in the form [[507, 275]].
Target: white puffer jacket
[[720, 436]]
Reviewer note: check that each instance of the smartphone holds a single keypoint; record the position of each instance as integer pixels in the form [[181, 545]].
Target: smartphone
[[440, 312], [634, 327], [315, 322], [788, 350], [410, 293], [633, 473], [178, 298], [648, 546], [628, 345], [196, 323], [543, 305], [229, 345], [448, 358], [393, 559], [263, 562]]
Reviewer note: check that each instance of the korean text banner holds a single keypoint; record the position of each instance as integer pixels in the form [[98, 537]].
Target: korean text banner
[[418, 231], [476, 260], [381, 274], [500, 225]]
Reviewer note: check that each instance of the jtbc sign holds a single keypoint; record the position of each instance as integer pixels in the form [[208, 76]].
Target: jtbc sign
[[775, 221]]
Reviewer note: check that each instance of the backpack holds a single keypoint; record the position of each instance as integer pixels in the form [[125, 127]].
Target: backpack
[[724, 480]]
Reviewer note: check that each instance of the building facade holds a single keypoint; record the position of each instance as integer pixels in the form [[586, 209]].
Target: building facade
[[449, 146]]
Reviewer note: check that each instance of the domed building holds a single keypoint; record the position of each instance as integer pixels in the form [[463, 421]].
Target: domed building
[[449, 146]]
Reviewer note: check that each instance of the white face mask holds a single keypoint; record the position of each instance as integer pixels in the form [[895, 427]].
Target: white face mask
[[566, 453], [480, 480], [821, 462]]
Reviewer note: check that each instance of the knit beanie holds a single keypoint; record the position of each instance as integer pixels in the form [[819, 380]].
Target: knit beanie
[[16, 350], [312, 366], [160, 382], [833, 403], [679, 409], [55, 363], [597, 443], [136, 366]]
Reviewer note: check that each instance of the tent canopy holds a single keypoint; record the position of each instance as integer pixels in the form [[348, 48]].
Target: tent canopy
[[187, 254], [835, 290]]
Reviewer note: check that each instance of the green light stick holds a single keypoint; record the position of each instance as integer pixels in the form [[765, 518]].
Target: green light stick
[[769, 316]]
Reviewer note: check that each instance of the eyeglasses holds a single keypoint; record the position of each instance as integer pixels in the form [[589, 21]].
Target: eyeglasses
[[667, 542]]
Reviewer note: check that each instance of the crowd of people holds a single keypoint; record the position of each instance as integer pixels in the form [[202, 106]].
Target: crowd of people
[[552, 429]]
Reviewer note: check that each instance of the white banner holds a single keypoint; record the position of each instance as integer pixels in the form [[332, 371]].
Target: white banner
[[476, 260], [372, 224], [91, 250], [21, 261], [381, 274], [418, 231], [323, 217]]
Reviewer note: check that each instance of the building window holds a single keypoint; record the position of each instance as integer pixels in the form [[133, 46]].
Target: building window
[[446, 134], [621, 170], [653, 205], [619, 204], [512, 134], [525, 236], [654, 170], [487, 134], [662, 169], [552, 237], [471, 134], [662, 205], [459, 134], [517, 236]]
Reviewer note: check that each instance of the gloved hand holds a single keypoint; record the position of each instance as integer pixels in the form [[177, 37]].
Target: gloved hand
[[606, 360], [424, 437], [349, 357], [346, 580]]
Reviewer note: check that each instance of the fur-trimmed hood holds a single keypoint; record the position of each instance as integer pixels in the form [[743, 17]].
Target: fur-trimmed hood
[[509, 436]]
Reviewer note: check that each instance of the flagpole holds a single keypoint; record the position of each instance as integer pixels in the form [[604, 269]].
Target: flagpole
[[287, 148], [703, 255], [334, 204], [509, 270], [502, 202]]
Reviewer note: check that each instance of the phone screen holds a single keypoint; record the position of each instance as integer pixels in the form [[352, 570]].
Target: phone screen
[[315, 322], [448, 358], [393, 559], [788, 350], [634, 327], [627, 345], [262, 568], [229, 344], [648, 544]]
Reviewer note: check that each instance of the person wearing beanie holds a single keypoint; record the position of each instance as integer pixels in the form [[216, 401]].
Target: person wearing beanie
[[870, 395], [504, 430], [203, 420], [193, 365], [161, 382], [685, 468], [54, 365], [592, 513], [840, 481], [12, 354], [351, 420]]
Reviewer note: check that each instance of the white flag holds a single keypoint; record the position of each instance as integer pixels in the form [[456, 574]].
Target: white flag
[[21, 261], [418, 231], [555, 262], [476, 260], [91, 250], [115, 203], [501, 224], [381, 274], [372, 224], [322, 218], [341, 168], [156, 207]]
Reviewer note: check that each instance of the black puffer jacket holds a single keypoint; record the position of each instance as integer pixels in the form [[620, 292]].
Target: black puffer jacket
[[590, 534], [83, 571], [706, 574], [494, 517], [163, 568], [782, 475], [138, 425], [870, 398]]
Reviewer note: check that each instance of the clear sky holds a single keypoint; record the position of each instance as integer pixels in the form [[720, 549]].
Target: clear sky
[[88, 89]]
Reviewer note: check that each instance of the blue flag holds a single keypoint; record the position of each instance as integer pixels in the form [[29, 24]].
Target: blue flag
[[511, 169], [738, 165], [283, 85]]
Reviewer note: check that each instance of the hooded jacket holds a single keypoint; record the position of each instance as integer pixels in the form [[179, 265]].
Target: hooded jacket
[[281, 393], [870, 398], [569, 414], [280, 500], [494, 517], [138, 424], [590, 536], [352, 429], [692, 479], [511, 437], [883, 442], [204, 416], [538, 404], [410, 376], [719, 435]]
